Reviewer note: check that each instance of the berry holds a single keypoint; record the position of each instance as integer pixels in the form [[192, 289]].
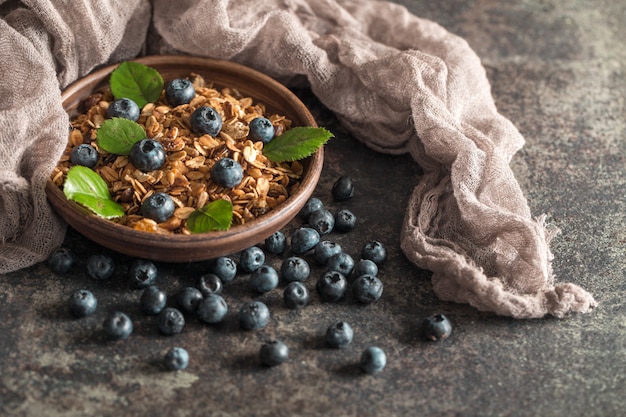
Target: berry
[[176, 359], [224, 267], [83, 303], [179, 91], [276, 243], [345, 221], [296, 295], [100, 267], [142, 273], [117, 326], [273, 352], [206, 120], [295, 269], [339, 334], [312, 204], [188, 299], [367, 289], [323, 221], [147, 155], [324, 250], [304, 239], [152, 300], [125, 108], [251, 259], [209, 284], [227, 172], [374, 251], [365, 267], [264, 279], [170, 321], [212, 309], [332, 286], [253, 315], [61, 260], [158, 207], [343, 188], [340, 262], [373, 360], [261, 129], [436, 327], [85, 155]]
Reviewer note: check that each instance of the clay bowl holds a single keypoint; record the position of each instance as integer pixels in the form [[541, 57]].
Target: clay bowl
[[205, 246]]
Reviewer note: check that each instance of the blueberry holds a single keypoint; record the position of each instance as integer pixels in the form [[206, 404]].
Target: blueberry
[[264, 279], [227, 172], [152, 300], [179, 91], [206, 120], [367, 289], [323, 221], [176, 359], [276, 243], [117, 326], [253, 315], [209, 284], [61, 260], [343, 188], [83, 303], [373, 360], [142, 273], [365, 267], [312, 204], [261, 129], [170, 321], [251, 259], [296, 295], [332, 286], [147, 155], [295, 268], [339, 334], [158, 207], [436, 327], [273, 352], [324, 250], [374, 251], [212, 309], [345, 221], [188, 299], [340, 262], [224, 267], [304, 239], [85, 155], [100, 267], [125, 108]]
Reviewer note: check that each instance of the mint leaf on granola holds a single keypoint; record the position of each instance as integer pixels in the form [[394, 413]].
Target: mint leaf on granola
[[217, 215], [296, 143], [118, 135], [84, 186], [136, 81]]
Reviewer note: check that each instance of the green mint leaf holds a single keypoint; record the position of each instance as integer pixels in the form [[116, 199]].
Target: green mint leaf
[[84, 186], [217, 215], [118, 135], [296, 143], [136, 81]]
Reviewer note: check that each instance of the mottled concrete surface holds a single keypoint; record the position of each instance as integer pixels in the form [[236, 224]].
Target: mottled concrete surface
[[558, 71]]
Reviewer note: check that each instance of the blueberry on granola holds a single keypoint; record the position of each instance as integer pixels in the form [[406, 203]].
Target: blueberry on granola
[[85, 155], [206, 120], [179, 91], [124, 108]]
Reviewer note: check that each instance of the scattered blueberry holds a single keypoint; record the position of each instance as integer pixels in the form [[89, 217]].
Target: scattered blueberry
[[343, 188], [142, 273], [226, 172], [170, 321], [312, 204], [83, 303], [374, 251], [295, 268], [147, 155], [324, 250], [212, 309], [224, 267], [176, 359], [61, 260], [209, 284], [365, 267], [264, 279], [251, 259], [188, 299], [276, 243], [436, 327], [296, 295], [273, 352], [340, 262], [253, 315], [339, 334], [332, 286], [206, 120], [152, 300], [117, 326], [345, 221], [124, 108], [323, 221], [158, 207], [367, 289], [179, 91], [100, 267], [261, 129], [85, 155], [373, 360], [304, 239]]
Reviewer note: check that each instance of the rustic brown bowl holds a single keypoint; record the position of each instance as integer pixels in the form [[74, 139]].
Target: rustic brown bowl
[[197, 247]]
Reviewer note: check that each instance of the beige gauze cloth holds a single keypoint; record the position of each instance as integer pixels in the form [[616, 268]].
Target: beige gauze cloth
[[399, 83]]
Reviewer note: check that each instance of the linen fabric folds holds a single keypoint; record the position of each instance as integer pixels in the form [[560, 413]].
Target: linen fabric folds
[[467, 220]]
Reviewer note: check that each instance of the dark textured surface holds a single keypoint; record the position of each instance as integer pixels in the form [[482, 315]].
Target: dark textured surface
[[558, 71]]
